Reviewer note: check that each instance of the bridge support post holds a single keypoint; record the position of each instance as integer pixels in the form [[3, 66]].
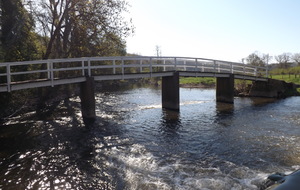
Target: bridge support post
[[225, 89], [170, 92], [87, 96]]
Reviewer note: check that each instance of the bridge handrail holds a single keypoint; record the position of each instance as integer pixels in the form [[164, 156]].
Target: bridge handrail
[[88, 65]]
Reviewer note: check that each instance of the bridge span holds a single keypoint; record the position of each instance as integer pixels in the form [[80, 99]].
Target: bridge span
[[49, 73], [52, 72]]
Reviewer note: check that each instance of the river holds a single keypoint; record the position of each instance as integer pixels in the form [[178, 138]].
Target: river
[[134, 144]]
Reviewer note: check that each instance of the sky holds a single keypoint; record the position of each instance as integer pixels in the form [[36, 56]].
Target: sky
[[227, 30]]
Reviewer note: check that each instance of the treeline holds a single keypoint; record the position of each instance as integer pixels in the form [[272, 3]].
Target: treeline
[[284, 60], [48, 29], [61, 29]]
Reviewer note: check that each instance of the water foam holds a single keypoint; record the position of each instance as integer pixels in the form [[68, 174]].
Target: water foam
[[142, 170]]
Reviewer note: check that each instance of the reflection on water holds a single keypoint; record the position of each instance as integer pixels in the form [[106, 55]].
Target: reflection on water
[[135, 144]]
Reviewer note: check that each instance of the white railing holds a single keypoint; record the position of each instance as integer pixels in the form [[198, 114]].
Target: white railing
[[57, 69]]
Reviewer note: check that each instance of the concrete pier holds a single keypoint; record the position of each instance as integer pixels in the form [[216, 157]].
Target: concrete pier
[[225, 89], [87, 96], [170, 92]]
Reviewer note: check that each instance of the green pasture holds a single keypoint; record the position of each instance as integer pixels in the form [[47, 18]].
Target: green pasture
[[287, 77], [197, 80]]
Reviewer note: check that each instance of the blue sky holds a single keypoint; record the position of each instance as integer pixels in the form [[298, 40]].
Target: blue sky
[[218, 29]]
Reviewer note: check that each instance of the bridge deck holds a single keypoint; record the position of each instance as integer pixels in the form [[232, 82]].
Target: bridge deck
[[47, 82], [54, 72]]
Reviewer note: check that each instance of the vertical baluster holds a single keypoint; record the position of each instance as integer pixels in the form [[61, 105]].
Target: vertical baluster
[[122, 62], [8, 77], [175, 64], [89, 68], [150, 66], [114, 66], [48, 70], [196, 67], [82, 67], [215, 67], [51, 74], [141, 68]]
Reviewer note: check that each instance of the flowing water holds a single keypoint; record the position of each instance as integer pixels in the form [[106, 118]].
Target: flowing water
[[135, 144]]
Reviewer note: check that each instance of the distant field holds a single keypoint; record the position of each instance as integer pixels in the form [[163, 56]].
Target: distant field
[[198, 80], [287, 78], [210, 81]]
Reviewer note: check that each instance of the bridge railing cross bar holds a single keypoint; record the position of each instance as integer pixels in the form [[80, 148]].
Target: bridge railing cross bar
[[64, 71]]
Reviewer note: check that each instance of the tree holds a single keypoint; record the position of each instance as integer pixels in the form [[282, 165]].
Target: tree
[[266, 58], [255, 60], [17, 43], [296, 58], [17, 32], [158, 50], [283, 60], [76, 28]]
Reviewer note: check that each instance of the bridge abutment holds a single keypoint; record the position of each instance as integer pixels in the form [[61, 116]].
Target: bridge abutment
[[170, 92], [88, 104], [225, 89]]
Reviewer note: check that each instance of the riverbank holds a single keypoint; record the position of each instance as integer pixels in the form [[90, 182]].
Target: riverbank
[[273, 88]]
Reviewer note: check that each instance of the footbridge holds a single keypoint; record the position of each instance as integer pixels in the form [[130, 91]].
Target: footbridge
[[49, 73]]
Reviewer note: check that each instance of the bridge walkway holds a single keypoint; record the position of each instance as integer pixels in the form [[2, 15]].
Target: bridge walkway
[[52, 72]]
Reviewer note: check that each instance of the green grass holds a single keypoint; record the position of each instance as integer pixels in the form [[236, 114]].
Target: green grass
[[287, 78], [242, 82], [291, 70], [198, 80], [212, 81], [209, 81]]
